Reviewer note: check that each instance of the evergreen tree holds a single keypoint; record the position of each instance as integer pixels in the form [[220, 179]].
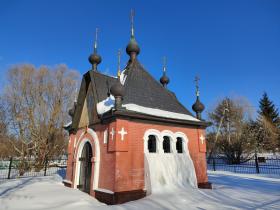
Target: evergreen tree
[[269, 119], [268, 110]]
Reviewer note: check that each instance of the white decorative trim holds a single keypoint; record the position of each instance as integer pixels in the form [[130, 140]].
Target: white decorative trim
[[96, 157], [167, 133], [104, 190], [172, 139], [105, 136], [185, 141], [159, 138], [157, 134], [66, 181]]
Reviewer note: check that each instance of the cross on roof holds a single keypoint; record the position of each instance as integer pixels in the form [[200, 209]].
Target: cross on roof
[[164, 63], [196, 79], [119, 63], [95, 42], [132, 14]]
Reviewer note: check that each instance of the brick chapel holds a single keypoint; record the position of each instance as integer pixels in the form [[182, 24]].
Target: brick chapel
[[120, 123]]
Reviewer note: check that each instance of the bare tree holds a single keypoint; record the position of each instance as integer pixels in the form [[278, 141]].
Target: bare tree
[[5, 150], [230, 134], [36, 102]]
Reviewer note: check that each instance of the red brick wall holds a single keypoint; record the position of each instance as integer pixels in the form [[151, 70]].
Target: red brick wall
[[122, 161], [130, 164], [107, 160]]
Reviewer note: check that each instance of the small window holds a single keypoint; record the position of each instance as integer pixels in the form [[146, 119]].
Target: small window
[[166, 144], [152, 144], [179, 145]]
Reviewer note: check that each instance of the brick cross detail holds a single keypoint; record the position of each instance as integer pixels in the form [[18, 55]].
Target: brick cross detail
[[122, 132], [112, 133], [202, 138]]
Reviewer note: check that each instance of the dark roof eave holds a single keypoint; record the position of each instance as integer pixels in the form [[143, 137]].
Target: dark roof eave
[[67, 128], [137, 115]]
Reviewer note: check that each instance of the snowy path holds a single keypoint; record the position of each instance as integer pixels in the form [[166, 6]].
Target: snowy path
[[231, 191]]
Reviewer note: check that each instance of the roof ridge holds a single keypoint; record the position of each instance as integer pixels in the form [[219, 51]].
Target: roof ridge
[[98, 72]]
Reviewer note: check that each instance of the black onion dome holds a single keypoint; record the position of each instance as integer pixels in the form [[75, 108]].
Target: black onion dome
[[117, 89], [164, 80], [132, 47], [94, 59], [72, 110], [198, 106]]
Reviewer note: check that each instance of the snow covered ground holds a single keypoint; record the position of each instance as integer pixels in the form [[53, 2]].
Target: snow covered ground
[[231, 191]]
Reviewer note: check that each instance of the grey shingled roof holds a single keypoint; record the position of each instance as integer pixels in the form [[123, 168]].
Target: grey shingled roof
[[102, 84], [140, 89]]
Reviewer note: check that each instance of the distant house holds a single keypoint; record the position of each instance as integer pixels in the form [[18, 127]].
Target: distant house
[[123, 128]]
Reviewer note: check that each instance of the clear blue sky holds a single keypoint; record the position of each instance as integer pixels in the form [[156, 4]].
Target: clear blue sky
[[234, 46]]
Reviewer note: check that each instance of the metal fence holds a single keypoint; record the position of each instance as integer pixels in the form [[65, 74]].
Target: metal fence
[[13, 168], [10, 168], [260, 165]]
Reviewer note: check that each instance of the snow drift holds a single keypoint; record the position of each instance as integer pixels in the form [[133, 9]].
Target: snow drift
[[167, 172]]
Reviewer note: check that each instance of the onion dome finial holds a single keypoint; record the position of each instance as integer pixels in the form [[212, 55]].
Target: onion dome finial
[[117, 90], [164, 80], [94, 58], [198, 107], [132, 48], [71, 111]]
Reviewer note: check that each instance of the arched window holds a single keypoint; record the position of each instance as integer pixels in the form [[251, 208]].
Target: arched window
[[166, 144], [152, 144], [179, 145]]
